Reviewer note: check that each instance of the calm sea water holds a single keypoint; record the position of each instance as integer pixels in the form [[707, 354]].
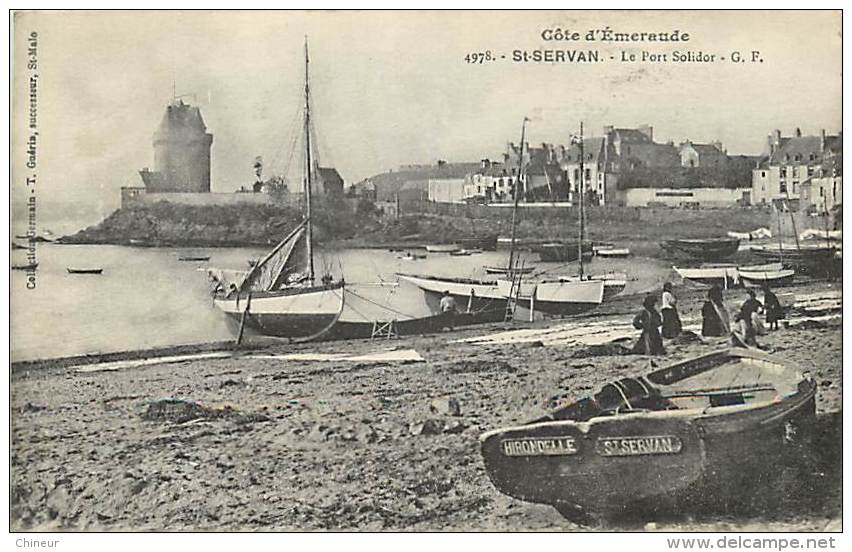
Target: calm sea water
[[146, 297]]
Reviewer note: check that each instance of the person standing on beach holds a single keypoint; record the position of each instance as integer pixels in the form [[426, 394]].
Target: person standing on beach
[[745, 331], [714, 316], [671, 320], [774, 310], [649, 321]]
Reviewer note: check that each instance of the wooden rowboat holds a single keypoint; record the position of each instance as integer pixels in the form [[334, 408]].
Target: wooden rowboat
[[443, 248], [506, 270], [702, 249], [707, 423], [84, 270]]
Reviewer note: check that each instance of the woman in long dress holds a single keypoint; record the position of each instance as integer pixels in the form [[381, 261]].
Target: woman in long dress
[[671, 320], [774, 310], [714, 316], [649, 321]]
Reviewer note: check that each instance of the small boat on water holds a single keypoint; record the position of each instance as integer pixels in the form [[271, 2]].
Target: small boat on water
[[84, 270], [443, 248], [460, 253], [620, 252], [17, 246], [710, 249], [31, 266], [706, 423], [505, 271], [411, 256], [193, 258]]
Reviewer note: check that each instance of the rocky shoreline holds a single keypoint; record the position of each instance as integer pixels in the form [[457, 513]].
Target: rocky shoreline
[[265, 441]]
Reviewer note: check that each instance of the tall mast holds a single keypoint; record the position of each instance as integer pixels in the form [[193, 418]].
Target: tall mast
[[308, 171], [511, 266], [581, 186]]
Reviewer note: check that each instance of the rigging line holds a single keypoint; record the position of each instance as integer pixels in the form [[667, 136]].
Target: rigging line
[[287, 145], [367, 299], [292, 153]]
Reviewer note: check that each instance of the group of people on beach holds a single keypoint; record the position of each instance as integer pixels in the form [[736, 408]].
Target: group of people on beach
[[715, 320]]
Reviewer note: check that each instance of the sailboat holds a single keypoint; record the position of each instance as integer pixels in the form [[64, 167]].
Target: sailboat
[[565, 296], [280, 296], [489, 298]]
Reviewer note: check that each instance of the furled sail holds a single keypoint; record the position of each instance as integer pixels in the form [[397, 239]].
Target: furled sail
[[285, 265]]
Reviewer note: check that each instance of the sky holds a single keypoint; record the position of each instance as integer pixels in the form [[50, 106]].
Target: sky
[[392, 88]]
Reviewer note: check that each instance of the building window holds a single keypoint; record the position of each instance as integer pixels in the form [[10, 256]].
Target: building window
[[820, 191], [812, 157], [794, 186], [810, 171], [834, 191], [783, 172], [762, 174], [588, 174], [783, 188]]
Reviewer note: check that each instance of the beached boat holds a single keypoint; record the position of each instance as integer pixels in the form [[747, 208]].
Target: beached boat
[[712, 249], [84, 270], [443, 248], [806, 258], [481, 296], [722, 276], [279, 295], [772, 278], [614, 282], [16, 246], [485, 292], [193, 258], [566, 296], [460, 253], [707, 423], [557, 297]]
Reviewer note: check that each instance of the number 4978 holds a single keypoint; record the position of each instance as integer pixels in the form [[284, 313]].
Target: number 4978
[[479, 57]]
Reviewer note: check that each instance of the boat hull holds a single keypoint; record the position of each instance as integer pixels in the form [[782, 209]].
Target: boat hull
[[443, 248], [813, 260], [481, 297], [558, 298], [704, 250], [724, 277], [301, 315], [599, 455], [773, 279]]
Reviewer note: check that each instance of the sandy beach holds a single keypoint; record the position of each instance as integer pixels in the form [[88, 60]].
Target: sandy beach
[[290, 444]]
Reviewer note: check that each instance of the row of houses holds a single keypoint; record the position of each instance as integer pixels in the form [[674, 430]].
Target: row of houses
[[627, 167]]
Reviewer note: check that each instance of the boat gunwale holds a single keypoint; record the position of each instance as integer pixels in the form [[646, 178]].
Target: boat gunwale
[[792, 401]]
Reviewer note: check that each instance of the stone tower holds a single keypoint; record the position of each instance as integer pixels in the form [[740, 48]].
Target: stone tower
[[181, 152]]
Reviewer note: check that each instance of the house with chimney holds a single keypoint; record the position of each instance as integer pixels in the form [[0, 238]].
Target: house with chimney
[[792, 161]]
